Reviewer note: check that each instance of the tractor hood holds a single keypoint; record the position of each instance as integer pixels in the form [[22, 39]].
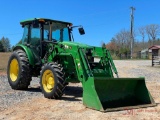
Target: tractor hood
[[76, 44]]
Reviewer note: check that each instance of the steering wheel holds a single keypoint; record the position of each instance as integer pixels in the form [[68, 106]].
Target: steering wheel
[[54, 40]]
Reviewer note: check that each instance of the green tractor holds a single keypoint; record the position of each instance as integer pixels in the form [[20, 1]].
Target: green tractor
[[48, 51]]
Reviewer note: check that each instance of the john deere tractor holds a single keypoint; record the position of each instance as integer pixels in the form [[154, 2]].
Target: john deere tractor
[[48, 51]]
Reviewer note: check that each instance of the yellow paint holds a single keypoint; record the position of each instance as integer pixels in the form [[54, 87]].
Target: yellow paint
[[14, 70], [48, 81]]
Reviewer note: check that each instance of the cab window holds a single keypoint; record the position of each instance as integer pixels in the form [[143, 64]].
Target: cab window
[[25, 34], [35, 36], [61, 34]]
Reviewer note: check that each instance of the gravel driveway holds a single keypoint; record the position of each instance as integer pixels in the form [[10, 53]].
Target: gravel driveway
[[31, 105]]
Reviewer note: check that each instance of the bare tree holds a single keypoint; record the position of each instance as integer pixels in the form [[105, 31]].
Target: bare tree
[[152, 31], [142, 32], [123, 38]]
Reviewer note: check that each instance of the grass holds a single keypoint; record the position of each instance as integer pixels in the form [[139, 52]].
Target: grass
[[4, 61]]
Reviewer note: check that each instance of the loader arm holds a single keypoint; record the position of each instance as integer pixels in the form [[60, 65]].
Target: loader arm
[[111, 62], [85, 62]]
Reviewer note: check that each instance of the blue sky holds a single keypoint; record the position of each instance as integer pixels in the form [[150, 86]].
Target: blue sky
[[101, 19]]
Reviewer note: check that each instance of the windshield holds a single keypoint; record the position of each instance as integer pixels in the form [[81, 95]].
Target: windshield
[[59, 32]]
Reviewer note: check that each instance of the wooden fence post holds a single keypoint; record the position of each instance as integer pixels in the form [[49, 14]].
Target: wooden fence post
[[152, 60]]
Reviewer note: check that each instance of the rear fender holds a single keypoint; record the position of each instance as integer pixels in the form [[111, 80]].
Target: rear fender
[[27, 51]]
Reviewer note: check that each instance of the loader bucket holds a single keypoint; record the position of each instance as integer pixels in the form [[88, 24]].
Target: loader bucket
[[112, 94]]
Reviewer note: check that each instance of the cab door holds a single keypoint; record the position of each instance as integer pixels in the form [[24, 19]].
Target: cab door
[[34, 43]]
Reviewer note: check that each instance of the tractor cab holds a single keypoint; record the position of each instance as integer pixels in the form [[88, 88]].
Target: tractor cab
[[45, 30], [39, 31]]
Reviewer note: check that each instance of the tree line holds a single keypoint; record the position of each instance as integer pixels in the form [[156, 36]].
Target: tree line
[[5, 45], [144, 37]]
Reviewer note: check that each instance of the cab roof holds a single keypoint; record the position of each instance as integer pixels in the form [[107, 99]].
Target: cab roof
[[28, 21]]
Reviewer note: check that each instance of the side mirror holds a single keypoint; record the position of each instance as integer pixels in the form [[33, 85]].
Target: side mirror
[[35, 24], [81, 31]]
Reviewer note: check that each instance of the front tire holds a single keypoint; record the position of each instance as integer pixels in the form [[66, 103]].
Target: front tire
[[18, 71], [52, 81]]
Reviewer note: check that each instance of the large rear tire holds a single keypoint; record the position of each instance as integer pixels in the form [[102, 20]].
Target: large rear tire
[[52, 81], [18, 70]]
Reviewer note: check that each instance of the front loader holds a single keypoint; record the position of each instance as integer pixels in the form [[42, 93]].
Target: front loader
[[47, 50]]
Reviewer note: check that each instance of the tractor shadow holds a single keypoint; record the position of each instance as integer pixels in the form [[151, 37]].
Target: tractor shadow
[[37, 89], [72, 93]]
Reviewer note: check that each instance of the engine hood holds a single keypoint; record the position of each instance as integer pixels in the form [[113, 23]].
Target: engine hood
[[76, 44]]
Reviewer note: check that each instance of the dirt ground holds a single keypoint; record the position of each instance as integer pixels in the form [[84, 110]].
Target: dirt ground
[[70, 107], [4, 56]]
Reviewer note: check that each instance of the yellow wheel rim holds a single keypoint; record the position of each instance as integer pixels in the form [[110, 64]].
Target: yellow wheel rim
[[48, 81], [14, 70]]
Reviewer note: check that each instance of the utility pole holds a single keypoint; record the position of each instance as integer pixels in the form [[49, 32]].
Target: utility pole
[[131, 30]]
